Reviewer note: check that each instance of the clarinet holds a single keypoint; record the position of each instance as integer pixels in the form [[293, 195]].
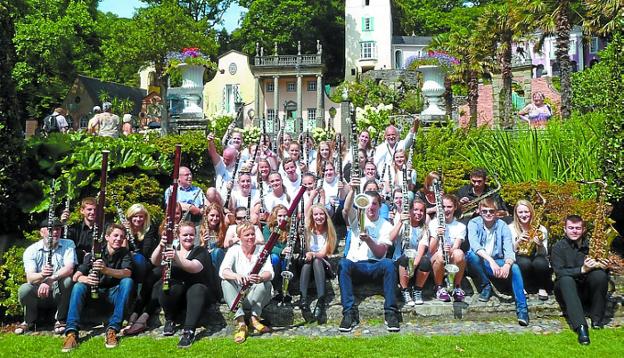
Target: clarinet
[[229, 192], [187, 212], [50, 239], [123, 220], [261, 187], [287, 275], [266, 251], [339, 165], [405, 209], [248, 213], [98, 225], [320, 178], [390, 184], [67, 206], [171, 210], [355, 168]]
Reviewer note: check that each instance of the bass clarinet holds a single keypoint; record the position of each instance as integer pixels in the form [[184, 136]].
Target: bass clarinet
[[171, 211], [449, 268], [98, 225], [229, 192], [51, 221], [287, 275], [355, 166], [266, 251]]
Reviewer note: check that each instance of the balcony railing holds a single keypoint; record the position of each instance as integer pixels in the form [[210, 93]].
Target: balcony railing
[[288, 60]]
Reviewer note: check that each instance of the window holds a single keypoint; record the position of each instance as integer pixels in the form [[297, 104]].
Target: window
[[367, 24], [311, 114], [398, 59], [553, 50], [270, 87], [270, 114], [366, 2], [593, 45], [84, 121], [311, 86], [291, 87], [230, 97], [367, 50]]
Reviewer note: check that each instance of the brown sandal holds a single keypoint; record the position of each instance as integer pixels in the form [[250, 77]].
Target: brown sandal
[[59, 327], [22, 328]]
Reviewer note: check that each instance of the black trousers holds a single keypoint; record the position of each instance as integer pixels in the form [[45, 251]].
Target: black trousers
[[146, 302], [179, 296], [535, 270], [590, 289]]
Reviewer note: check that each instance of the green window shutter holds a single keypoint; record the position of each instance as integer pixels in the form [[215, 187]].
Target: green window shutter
[[363, 24]]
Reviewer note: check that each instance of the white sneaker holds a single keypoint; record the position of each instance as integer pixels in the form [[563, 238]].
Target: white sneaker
[[418, 300], [407, 298]]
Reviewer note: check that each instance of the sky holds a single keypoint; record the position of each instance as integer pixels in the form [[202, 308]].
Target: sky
[[125, 8]]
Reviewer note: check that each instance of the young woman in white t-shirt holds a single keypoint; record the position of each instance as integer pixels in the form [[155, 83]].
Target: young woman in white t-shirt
[[320, 241]]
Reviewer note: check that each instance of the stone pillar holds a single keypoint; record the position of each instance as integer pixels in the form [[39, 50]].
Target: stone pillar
[[320, 110], [257, 97], [276, 101], [299, 99]]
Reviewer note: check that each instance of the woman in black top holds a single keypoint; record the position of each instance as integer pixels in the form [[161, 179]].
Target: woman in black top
[[191, 275], [144, 240]]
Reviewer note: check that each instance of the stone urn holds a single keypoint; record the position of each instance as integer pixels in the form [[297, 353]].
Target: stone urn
[[433, 91], [192, 75]]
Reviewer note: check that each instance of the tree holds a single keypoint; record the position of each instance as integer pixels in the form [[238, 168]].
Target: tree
[[11, 142], [500, 25], [604, 16], [286, 22], [209, 10], [556, 18], [54, 41]]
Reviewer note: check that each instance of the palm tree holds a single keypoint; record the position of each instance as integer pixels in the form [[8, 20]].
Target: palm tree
[[499, 26], [604, 16], [473, 61], [555, 17]]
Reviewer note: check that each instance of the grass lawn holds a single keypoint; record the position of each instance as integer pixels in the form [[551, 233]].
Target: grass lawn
[[605, 343]]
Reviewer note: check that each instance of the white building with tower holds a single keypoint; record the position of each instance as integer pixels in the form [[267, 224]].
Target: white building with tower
[[369, 41]]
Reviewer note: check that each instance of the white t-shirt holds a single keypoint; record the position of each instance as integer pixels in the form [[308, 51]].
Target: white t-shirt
[[378, 230], [271, 201], [330, 189], [455, 230], [292, 187], [514, 236], [317, 242], [241, 201], [490, 240], [223, 175], [236, 261]]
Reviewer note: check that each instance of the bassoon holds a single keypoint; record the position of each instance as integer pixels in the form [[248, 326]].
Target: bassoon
[[170, 223], [266, 251], [98, 225]]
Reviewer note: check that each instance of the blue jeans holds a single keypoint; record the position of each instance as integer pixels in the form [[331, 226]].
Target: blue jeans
[[484, 271], [216, 256], [366, 271], [117, 295]]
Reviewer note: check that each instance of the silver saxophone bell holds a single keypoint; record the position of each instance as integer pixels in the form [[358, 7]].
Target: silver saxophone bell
[[411, 255], [362, 202], [451, 270], [286, 277]]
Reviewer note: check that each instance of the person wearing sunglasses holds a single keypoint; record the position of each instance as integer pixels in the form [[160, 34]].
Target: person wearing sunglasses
[[491, 255]]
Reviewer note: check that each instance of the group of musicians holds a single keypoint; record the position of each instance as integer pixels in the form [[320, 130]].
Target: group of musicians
[[391, 233]]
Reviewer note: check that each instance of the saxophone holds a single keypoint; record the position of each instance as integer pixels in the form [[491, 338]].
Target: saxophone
[[526, 247], [469, 208], [603, 233]]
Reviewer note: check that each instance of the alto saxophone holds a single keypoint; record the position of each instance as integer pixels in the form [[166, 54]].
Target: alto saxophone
[[526, 247]]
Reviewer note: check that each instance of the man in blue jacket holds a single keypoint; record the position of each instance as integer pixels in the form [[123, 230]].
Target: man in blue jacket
[[491, 255]]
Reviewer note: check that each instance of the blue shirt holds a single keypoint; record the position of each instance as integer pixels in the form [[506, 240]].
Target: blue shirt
[[190, 195], [477, 236], [36, 256]]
